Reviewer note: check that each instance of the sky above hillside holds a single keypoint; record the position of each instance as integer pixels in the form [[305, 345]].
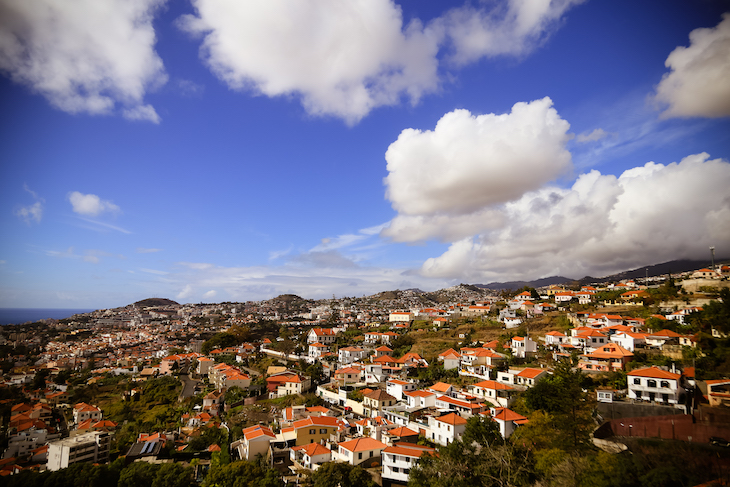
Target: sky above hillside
[[228, 150]]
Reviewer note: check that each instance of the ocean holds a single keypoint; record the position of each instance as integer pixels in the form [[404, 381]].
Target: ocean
[[18, 316]]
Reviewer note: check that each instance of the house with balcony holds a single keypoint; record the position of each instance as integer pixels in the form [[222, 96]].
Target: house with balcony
[[630, 340], [399, 459], [655, 385], [325, 336], [464, 408], [554, 338], [479, 362], [318, 350], [419, 399], [523, 346], [718, 392], [348, 355], [495, 392], [608, 358], [310, 456], [375, 401], [348, 375]]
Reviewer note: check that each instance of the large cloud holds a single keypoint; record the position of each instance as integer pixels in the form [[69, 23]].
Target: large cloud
[[445, 180], [699, 82], [343, 57], [84, 55], [601, 224], [346, 57]]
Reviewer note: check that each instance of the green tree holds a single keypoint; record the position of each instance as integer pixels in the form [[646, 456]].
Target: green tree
[[483, 431], [242, 474], [561, 395], [138, 474], [336, 474]]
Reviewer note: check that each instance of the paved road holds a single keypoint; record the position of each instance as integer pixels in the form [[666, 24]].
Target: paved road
[[188, 389]]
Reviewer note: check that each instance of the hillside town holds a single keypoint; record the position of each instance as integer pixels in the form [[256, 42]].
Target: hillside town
[[526, 387]]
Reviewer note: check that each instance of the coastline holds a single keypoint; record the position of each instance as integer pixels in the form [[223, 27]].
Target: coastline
[[19, 316]]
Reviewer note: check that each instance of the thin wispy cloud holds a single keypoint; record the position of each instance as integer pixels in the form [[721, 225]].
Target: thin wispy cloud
[[103, 226], [31, 213], [142, 250], [154, 271]]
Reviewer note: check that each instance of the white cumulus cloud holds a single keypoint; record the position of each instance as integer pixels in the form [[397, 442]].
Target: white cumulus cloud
[[343, 57], [698, 84], [346, 57], [602, 224], [440, 180], [505, 28], [86, 56], [90, 204]]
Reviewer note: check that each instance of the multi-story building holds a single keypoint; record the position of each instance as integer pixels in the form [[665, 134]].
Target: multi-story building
[[90, 447], [655, 385], [399, 459]]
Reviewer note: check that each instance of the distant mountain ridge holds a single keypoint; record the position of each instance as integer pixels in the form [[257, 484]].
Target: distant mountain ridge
[[671, 267]]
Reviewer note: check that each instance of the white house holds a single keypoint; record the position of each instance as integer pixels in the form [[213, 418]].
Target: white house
[[655, 385], [359, 450], [420, 399], [348, 355], [318, 350], [523, 346], [507, 420], [400, 458], [451, 359], [325, 336], [397, 388], [445, 429], [495, 392], [628, 340], [310, 456], [554, 338]]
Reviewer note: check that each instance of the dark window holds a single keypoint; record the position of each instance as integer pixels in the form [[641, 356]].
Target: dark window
[[651, 383], [637, 382]]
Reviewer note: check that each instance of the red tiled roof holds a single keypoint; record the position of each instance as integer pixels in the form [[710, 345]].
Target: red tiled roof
[[654, 372], [362, 444]]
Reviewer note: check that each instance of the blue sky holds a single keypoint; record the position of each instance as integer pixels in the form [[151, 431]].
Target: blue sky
[[221, 150]]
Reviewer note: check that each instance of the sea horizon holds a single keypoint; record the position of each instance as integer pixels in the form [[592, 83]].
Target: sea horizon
[[19, 316]]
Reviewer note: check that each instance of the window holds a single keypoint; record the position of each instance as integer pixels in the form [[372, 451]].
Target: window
[[312, 431], [637, 382], [396, 469], [359, 456], [665, 383], [651, 383], [323, 431]]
